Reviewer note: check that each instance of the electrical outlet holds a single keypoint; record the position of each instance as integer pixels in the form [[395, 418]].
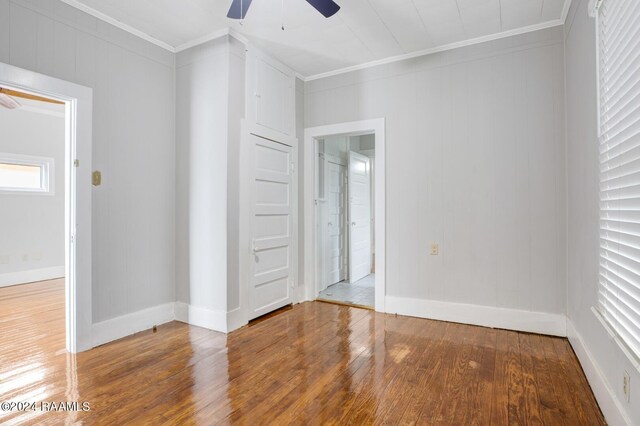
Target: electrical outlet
[[25, 257], [37, 256], [435, 249], [5, 259], [626, 386]]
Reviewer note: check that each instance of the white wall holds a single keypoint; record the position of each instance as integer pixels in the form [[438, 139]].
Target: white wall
[[133, 143], [605, 362], [32, 225], [299, 120], [475, 162], [202, 108]]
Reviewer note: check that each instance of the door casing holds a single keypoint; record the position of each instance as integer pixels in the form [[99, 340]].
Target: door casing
[[311, 267]]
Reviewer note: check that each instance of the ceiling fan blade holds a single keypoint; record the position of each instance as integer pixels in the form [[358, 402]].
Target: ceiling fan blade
[[327, 7], [238, 9], [8, 102]]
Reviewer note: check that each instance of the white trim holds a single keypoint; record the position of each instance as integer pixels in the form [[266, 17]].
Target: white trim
[[376, 126], [593, 7], [212, 36], [445, 47], [201, 317], [108, 19], [235, 320], [619, 341], [78, 146], [47, 173], [31, 276], [486, 316], [125, 325], [609, 404], [201, 40]]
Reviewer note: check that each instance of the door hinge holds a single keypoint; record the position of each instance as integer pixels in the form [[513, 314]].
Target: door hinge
[[76, 163]]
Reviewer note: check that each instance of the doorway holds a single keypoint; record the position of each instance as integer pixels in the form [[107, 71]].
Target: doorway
[[344, 213], [32, 197], [345, 221], [75, 165]]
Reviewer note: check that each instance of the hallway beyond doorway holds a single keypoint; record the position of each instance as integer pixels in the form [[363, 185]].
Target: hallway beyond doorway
[[360, 293]]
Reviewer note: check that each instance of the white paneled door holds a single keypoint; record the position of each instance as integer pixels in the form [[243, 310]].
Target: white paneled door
[[271, 272], [336, 246], [359, 216]]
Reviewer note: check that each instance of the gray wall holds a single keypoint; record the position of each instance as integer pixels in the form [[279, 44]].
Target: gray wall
[[475, 161], [133, 142], [583, 210]]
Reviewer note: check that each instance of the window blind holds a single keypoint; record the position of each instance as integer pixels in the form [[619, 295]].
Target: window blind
[[619, 123]]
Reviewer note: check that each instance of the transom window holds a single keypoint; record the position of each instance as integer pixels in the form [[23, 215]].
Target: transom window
[[22, 173]]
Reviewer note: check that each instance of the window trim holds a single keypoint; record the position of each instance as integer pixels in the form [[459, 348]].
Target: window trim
[[47, 177]]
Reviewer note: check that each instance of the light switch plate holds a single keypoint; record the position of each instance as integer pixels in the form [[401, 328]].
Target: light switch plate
[[435, 249], [96, 178]]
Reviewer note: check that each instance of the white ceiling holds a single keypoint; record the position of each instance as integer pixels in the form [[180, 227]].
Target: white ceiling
[[362, 31]]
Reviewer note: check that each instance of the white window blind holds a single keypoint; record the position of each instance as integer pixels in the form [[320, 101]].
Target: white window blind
[[619, 87]]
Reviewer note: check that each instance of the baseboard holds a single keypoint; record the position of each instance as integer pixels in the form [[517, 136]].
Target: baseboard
[[486, 316], [609, 404], [31, 276], [235, 320], [117, 328], [201, 317]]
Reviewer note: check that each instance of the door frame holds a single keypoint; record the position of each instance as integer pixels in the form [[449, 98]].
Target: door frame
[[240, 316], [353, 128], [78, 102]]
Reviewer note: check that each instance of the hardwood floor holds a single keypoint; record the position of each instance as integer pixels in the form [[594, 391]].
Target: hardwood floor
[[315, 363]]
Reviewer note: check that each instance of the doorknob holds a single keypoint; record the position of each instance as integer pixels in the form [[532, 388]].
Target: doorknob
[[353, 224]]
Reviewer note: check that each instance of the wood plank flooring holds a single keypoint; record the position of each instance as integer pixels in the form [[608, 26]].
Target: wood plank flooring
[[315, 363]]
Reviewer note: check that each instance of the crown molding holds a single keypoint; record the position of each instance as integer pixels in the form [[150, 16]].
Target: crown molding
[[108, 19], [240, 37], [443, 48]]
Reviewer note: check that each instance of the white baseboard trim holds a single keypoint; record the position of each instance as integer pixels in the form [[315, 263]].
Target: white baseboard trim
[[31, 276], [486, 316], [235, 320], [117, 328], [201, 317], [609, 404]]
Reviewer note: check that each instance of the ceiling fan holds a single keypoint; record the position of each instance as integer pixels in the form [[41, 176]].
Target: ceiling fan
[[239, 8], [7, 101], [7, 98]]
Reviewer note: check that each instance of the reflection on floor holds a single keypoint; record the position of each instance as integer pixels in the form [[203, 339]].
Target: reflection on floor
[[314, 363], [359, 293]]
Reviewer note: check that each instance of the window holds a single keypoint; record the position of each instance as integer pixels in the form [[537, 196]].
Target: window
[[619, 115], [22, 173]]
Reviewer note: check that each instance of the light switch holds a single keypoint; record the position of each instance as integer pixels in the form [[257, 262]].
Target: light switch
[[435, 249]]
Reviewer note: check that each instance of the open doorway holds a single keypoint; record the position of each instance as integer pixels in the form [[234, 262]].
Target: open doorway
[[69, 176], [346, 219], [344, 210], [32, 220]]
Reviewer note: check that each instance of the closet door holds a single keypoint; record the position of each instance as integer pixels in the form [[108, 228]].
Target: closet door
[[272, 210]]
